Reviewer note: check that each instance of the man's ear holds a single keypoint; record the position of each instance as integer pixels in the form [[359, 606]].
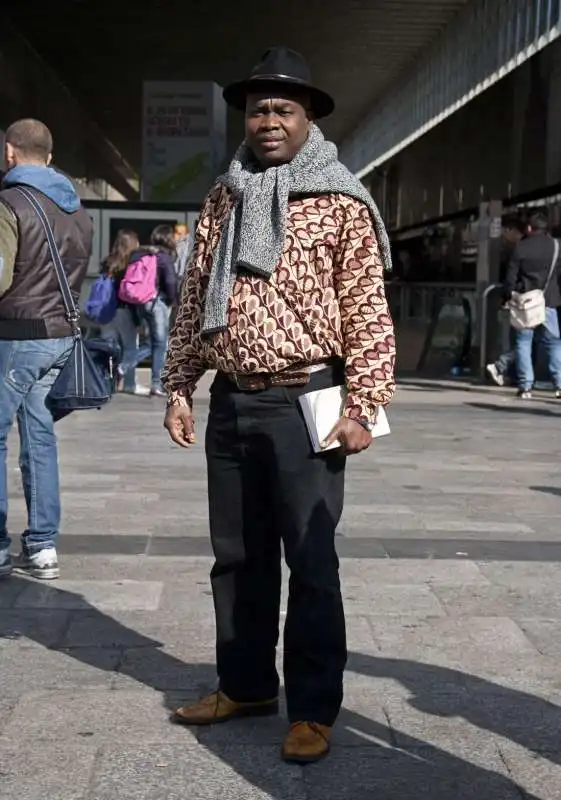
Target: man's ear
[[49, 159], [9, 155]]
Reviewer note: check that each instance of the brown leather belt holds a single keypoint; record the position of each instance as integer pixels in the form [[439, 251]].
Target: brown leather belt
[[258, 381]]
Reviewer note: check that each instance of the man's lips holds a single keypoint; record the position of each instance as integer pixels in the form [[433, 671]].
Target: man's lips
[[270, 144]]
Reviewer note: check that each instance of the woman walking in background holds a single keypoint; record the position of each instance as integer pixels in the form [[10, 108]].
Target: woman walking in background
[[125, 325], [156, 313]]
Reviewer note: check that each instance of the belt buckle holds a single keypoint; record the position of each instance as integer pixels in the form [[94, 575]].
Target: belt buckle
[[250, 383], [257, 382], [296, 378]]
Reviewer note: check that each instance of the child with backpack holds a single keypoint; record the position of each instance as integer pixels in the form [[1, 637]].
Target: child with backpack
[[150, 288]]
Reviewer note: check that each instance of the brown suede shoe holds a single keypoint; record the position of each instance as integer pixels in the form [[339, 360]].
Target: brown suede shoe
[[306, 742], [216, 707]]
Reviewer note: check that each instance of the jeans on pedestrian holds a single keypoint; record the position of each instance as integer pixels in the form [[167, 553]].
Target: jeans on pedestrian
[[28, 370], [504, 362], [157, 314], [124, 330], [548, 336]]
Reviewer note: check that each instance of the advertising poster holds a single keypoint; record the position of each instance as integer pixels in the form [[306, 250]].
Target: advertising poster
[[184, 139]]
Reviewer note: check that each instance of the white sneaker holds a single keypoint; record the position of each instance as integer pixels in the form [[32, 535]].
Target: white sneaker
[[42, 565], [139, 391], [495, 375], [5, 563]]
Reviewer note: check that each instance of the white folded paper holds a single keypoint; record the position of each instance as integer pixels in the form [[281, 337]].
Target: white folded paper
[[323, 409]]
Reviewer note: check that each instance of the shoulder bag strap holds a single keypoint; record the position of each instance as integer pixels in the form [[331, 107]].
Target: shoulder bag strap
[[71, 310], [553, 263]]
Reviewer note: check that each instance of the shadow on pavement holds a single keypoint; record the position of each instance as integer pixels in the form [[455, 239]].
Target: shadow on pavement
[[555, 490], [525, 719], [464, 384], [525, 407], [402, 767]]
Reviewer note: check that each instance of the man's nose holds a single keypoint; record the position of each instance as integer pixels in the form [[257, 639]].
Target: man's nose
[[270, 121]]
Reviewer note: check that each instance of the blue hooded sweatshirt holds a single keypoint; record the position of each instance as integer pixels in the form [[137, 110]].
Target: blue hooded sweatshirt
[[47, 180]]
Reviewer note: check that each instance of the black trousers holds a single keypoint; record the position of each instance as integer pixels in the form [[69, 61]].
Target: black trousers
[[266, 486]]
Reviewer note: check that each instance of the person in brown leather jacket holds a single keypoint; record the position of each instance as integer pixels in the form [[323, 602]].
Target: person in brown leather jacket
[[35, 336]]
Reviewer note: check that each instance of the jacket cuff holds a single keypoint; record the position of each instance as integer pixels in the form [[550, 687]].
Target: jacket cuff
[[360, 409], [180, 397]]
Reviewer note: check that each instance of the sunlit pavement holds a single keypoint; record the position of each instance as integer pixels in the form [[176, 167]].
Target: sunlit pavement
[[451, 566]]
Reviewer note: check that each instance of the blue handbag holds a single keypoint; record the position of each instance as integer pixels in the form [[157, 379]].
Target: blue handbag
[[80, 385]]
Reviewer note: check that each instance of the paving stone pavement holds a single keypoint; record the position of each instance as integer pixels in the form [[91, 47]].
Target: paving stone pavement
[[451, 564]]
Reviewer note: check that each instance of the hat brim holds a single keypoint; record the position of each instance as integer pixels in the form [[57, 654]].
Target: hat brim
[[235, 95]]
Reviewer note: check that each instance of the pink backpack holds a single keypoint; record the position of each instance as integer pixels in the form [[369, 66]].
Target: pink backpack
[[138, 285]]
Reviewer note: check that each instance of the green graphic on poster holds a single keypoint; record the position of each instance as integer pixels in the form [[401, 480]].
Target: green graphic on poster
[[184, 174]]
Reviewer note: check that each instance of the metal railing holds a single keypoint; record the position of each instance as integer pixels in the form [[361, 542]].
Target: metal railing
[[409, 300], [422, 303], [435, 324]]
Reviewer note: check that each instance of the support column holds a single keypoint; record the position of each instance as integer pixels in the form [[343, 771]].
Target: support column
[[487, 274]]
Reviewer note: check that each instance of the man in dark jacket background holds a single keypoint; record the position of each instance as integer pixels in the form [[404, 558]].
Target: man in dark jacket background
[[35, 337], [528, 270]]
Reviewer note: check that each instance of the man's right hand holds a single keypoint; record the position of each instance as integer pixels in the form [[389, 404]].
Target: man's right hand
[[180, 425]]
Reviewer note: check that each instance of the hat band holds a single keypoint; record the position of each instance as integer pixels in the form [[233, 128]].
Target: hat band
[[278, 77]]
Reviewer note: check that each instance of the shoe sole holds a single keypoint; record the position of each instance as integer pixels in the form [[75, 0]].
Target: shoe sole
[[303, 760], [259, 711], [44, 574]]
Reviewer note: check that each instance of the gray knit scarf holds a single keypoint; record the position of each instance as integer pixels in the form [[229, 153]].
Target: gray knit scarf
[[254, 235]]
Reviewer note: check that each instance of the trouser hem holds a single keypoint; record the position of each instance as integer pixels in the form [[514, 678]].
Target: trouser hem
[[307, 715], [243, 697], [31, 547]]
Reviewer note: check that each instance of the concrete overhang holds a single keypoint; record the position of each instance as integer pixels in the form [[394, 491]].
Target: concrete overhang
[[104, 51]]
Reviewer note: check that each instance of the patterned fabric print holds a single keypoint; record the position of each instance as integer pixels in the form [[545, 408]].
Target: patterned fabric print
[[326, 298]]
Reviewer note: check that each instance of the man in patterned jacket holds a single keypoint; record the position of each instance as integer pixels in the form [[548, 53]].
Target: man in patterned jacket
[[284, 295]]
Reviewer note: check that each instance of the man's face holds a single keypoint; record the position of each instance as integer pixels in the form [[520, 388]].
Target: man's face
[[179, 232], [276, 128]]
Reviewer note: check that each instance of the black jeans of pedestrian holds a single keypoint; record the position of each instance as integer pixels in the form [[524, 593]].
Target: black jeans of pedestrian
[[266, 486]]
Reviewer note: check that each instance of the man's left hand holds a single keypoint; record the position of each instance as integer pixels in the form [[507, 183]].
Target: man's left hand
[[351, 434]]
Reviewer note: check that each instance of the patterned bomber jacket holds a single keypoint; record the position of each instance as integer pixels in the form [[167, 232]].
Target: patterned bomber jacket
[[326, 298]]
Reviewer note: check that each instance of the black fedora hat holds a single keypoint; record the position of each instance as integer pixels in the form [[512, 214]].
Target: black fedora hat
[[279, 67]]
